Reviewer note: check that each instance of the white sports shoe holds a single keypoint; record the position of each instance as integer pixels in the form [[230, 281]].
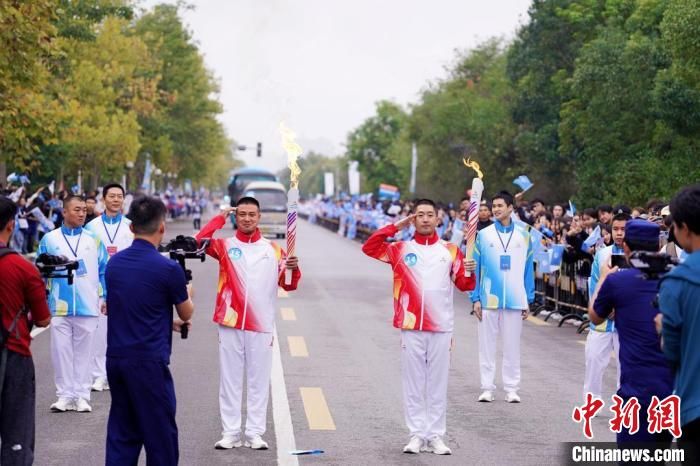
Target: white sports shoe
[[82, 406], [487, 396], [512, 397], [229, 441], [414, 445], [62, 405], [437, 446], [256, 443], [100, 385]]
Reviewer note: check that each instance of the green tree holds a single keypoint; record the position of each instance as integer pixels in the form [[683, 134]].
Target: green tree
[[184, 133], [26, 116], [370, 144]]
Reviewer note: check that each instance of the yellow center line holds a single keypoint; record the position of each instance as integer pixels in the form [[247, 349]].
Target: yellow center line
[[297, 347], [316, 408], [282, 293], [288, 313], [536, 321]]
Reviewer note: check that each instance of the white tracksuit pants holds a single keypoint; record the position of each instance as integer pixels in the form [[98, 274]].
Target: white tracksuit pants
[[508, 323], [71, 353], [599, 347], [425, 365], [251, 352], [98, 365]]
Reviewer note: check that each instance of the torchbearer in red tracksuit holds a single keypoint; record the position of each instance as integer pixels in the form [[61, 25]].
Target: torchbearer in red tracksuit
[[250, 270], [424, 270]]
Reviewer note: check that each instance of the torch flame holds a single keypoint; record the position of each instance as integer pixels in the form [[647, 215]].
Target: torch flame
[[293, 151], [469, 163]]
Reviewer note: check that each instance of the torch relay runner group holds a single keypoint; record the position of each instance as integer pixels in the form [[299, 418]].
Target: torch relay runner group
[[112, 325]]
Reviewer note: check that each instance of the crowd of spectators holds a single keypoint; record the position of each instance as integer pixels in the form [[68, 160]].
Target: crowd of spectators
[[556, 222], [41, 210]]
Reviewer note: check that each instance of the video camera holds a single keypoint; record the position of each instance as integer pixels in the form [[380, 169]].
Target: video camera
[[51, 266], [180, 249], [653, 265]]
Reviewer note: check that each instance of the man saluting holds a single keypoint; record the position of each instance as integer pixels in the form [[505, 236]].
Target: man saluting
[[423, 310], [250, 270]]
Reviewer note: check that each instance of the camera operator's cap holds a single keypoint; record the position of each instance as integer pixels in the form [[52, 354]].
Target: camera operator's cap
[[642, 231]]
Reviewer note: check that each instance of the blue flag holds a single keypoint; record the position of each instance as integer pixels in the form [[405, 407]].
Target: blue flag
[[523, 182], [557, 255], [536, 240], [591, 240], [572, 209]]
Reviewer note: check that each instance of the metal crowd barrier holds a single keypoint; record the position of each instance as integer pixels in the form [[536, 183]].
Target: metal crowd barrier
[[333, 224], [564, 292]]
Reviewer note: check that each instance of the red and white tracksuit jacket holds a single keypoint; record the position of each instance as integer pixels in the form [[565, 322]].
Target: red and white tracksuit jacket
[[424, 270], [250, 270]]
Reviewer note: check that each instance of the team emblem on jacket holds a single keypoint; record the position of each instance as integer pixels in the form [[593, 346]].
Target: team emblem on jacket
[[235, 253], [410, 259]]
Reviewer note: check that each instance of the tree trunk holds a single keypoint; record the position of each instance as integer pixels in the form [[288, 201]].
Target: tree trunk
[[3, 171]]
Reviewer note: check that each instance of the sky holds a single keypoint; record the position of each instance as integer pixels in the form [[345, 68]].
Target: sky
[[321, 65]]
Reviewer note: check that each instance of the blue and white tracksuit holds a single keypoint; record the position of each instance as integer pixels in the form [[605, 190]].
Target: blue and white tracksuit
[[115, 234], [74, 307], [602, 340], [504, 290]]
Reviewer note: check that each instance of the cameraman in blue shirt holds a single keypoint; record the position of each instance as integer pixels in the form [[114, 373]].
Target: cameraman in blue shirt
[[630, 295], [143, 288]]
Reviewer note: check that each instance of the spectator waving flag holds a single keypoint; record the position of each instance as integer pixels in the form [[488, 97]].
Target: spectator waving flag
[[592, 239], [523, 182], [536, 240]]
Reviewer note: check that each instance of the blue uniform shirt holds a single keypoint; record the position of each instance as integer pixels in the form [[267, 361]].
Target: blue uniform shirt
[[143, 288], [644, 369]]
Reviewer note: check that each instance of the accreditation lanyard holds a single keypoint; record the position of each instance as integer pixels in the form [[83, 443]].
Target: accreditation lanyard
[[77, 245], [505, 246], [505, 258], [109, 237]]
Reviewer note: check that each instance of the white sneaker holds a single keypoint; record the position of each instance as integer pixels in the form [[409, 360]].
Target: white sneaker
[[512, 397], [229, 441], [82, 406], [62, 405], [414, 445], [437, 446], [100, 385], [487, 396], [256, 443]]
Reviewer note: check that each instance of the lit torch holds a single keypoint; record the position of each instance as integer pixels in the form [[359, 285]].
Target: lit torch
[[293, 151], [475, 202]]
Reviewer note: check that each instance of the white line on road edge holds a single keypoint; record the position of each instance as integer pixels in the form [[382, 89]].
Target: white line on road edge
[[282, 417]]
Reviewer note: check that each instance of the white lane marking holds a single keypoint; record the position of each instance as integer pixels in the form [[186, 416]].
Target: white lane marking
[[36, 331], [282, 417]]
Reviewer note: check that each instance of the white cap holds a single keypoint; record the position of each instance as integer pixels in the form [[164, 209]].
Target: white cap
[[665, 211]]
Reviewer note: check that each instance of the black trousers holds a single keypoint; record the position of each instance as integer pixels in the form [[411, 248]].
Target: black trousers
[[142, 413], [17, 415]]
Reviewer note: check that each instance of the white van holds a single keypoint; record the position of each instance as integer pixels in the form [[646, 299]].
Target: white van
[[273, 206]]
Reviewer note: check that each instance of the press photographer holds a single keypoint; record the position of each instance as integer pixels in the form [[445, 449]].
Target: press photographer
[[75, 305], [22, 298], [630, 295], [679, 301], [143, 288]]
